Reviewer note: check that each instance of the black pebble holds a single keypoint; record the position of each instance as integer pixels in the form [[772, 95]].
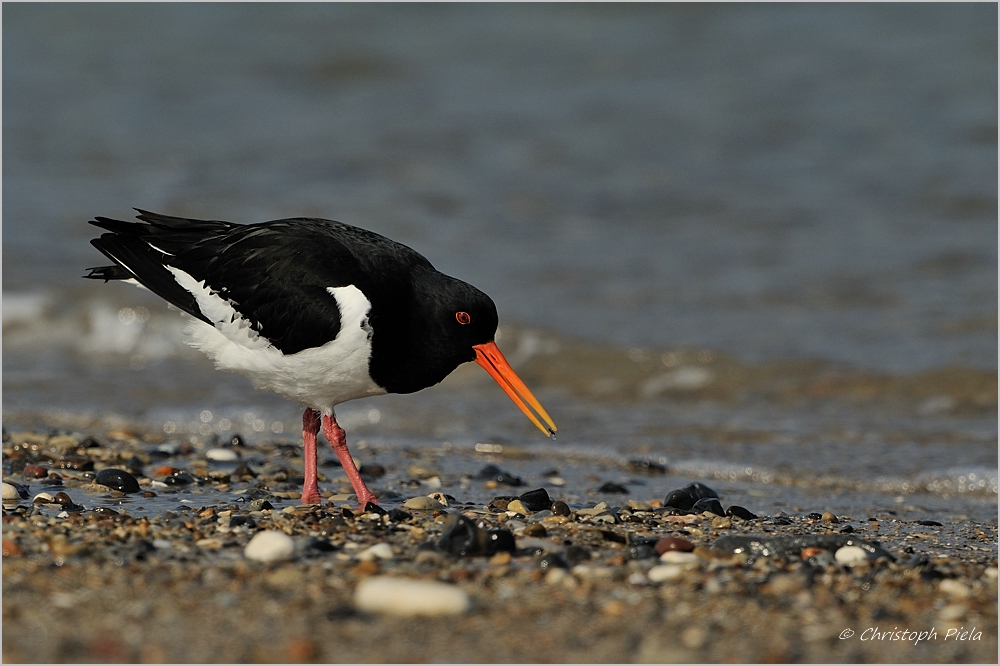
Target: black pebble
[[737, 511], [246, 521], [118, 479], [577, 554], [237, 441], [709, 504], [815, 516], [398, 515], [494, 473], [371, 507], [243, 471], [134, 465], [105, 511], [612, 488], [550, 561], [500, 541], [536, 500], [260, 505], [180, 478], [560, 508], [640, 552], [847, 529], [929, 523], [679, 499]]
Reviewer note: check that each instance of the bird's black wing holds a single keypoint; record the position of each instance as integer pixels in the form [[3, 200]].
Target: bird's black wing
[[274, 274]]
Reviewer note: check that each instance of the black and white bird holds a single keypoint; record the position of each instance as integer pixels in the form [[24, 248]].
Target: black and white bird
[[316, 310]]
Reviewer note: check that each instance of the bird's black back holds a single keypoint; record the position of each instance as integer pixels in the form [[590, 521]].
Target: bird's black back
[[274, 273]]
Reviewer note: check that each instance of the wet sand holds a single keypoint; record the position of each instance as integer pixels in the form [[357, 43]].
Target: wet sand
[[115, 577]]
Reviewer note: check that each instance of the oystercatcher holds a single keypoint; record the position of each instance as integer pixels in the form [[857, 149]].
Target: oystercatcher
[[316, 310]]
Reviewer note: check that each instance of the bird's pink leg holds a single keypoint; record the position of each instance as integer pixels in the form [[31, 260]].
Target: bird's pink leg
[[310, 426], [338, 440]]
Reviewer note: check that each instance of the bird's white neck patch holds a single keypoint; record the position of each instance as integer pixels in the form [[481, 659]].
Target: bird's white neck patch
[[319, 377]]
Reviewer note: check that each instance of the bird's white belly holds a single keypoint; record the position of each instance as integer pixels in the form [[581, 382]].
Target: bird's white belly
[[319, 377]]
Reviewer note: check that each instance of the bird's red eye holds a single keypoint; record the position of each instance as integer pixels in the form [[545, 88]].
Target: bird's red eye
[[463, 318]]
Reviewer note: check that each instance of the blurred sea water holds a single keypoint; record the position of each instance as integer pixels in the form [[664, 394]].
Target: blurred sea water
[[773, 221]]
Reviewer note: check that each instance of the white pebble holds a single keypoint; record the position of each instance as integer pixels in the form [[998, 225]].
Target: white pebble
[[406, 597], [665, 572], [850, 555], [422, 504], [10, 493], [679, 557], [954, 588], [222, 455], [42, 498], [270, 546], [381, 551]]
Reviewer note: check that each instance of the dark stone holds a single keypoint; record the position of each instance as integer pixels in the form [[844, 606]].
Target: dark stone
[[63, 498], [781, 520], [500, 541], [180, 478], [610, 487], [347, 513], [500, 503], [236, 441], [646, 466], [372, 470], [709, 504], [398, 515], [494, 473], [243, 472], [252, 494], [673, 543], [815, 516], [700, 491], [737, 511], [372, 507], [90, 443], [34, 472], [135, 465], [931, 573], [536, 500], [929, 523], [246, 521], [118, 479], [576, 554], [550, 561], [679, 499], [640, 552], [846, 529], [461, 537], [148, 494], [105, 511], [260, 504], [535, 530], [560, 508]]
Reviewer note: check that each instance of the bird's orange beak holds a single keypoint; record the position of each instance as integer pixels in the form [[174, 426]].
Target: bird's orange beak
[[488, 355]]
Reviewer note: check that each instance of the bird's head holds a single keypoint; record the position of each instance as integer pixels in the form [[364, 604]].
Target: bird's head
[[469, 320]]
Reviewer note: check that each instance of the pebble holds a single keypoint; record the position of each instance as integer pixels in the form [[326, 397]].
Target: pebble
[[517, 506], [117, 479], [43, 498], [828, 517], [737, 511], [679, 557], [422, 503], [850, 555], [10, 493], [380, 551], [636, 505], [673, 543], [270, 546], [560, 508], [222, 455], [34, 472], [665, 572], [536, 500], [709, 505], [405, 597], [954, 588]]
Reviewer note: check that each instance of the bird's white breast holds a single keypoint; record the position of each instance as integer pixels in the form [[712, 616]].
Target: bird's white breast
[[319, 377]]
